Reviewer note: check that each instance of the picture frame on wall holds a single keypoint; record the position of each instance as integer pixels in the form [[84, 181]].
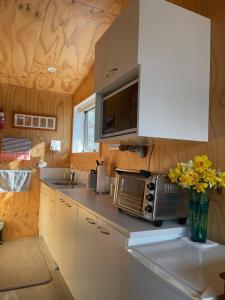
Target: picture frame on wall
[[30, 121]]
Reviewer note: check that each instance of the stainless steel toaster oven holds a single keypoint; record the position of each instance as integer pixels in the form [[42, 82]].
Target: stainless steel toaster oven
[[150, 196]]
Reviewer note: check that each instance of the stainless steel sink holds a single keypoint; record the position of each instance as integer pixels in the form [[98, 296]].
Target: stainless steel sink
[[61, 183], [66, 184]]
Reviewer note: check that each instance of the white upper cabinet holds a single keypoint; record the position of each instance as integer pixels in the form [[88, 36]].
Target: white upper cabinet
[[168, 49], [117, 51]]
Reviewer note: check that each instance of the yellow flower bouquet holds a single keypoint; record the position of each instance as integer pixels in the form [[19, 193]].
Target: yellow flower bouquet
[[199, 177]]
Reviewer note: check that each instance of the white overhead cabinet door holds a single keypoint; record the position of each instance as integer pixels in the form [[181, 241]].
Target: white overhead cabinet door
[[117, 51], [174, 54]]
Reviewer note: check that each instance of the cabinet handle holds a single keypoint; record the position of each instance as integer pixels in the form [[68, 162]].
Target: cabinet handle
[[62, 200], [67, 204], [90, 221], [102, 230], [109, 73]]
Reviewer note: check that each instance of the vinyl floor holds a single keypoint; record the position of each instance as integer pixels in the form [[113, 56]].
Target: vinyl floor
[[55, 290]]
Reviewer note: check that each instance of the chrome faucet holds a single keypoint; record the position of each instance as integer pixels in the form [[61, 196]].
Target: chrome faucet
[[72, 178]]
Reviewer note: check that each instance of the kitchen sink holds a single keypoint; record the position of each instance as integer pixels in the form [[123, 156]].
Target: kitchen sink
[[63, 183], [66, 184]]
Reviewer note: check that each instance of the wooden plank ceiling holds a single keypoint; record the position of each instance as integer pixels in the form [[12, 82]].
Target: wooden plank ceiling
[[37, 34]]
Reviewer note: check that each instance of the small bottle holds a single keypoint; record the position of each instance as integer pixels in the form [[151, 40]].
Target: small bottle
[[101, 178]]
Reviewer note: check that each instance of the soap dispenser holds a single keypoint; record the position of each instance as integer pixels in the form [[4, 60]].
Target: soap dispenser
[[101, 178]]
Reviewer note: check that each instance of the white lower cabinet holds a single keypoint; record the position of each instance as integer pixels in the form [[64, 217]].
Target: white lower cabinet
[[47, 217], [66, 239], [43, 214], [108, 263], [85, 255], [99, 259], [87, 250]]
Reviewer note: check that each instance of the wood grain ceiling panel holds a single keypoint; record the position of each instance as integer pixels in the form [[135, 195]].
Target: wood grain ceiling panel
[[113, 6], [67, 43], [36, 34], [20, 28]]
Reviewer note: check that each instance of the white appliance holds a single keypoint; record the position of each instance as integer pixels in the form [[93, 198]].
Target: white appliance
[[173, 270]]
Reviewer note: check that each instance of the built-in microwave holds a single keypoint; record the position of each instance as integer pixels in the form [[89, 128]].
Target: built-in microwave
[[120, 111]]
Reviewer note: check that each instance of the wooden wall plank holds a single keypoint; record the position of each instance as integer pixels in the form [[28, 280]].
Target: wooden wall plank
[[20, 210], [166, 155]]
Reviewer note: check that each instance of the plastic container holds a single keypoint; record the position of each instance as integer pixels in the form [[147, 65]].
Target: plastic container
[[112, 190], [92, 178], [101, 178]]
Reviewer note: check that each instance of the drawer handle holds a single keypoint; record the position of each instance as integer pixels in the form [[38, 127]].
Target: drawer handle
[[109, 73], [62, 200], [90, 221], [102, 230], [67, 204]]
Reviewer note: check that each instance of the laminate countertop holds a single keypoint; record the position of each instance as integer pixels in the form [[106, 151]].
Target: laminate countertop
[[189, 267], [138, 231]]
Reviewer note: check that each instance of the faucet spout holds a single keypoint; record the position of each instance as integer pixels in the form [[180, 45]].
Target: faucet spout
[[72, 178]]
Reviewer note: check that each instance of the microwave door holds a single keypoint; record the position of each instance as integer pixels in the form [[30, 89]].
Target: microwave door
[[120, 111], [131, 193]]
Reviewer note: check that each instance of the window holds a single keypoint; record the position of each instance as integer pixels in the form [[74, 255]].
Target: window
[[84, 127]]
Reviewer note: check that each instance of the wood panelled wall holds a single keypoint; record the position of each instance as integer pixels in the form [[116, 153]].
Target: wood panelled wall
[[20, 210], [166, 155]]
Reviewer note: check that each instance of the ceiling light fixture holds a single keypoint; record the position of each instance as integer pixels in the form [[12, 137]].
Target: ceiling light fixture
[[52, 69]]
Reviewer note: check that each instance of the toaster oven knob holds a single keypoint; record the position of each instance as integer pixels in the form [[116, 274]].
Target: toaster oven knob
[[151, 186], [148, 208], [150, 197]]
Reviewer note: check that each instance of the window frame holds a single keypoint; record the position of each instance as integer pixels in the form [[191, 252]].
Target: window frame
[[79, 125]]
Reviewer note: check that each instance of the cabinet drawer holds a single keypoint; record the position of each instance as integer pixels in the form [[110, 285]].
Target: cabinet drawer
[[87, 217]]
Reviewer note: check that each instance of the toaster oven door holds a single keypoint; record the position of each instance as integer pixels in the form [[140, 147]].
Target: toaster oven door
[[129, 193]]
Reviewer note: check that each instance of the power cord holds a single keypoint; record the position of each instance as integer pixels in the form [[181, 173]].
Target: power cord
[[150, 156]]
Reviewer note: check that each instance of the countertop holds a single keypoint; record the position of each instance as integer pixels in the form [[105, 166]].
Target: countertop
[[193, 270], [132, 227]]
